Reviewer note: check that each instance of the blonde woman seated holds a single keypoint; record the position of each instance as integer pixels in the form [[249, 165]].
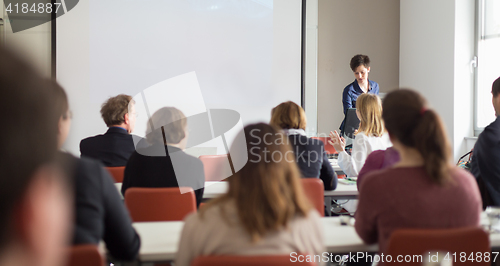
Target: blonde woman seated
[[309, 153], [371, 135], [264, 212]]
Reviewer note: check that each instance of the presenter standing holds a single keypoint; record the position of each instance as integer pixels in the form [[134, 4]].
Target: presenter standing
[[360, 65]]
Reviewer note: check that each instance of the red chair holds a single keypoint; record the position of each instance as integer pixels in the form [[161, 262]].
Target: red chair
[[84, 255], [159, 204], [315, 192], [274, 260], [117, 173], [328, 147], [216, 167], [421, 241]]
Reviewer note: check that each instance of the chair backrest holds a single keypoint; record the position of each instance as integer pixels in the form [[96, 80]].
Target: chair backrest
[[84, 255], [328, 147], [274, 260], [469, 240], [117, 173], [216, 167], [315, 192], [159, 204]]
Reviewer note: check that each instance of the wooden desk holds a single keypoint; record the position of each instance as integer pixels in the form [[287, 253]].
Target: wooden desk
[[161, 239]]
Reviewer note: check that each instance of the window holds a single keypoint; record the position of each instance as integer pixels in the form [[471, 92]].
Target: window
[[488, 60]]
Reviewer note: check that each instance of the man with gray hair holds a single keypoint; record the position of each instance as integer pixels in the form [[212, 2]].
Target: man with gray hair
[[115, 146]]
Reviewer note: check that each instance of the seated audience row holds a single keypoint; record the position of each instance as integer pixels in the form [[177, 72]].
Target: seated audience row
[[265, 210]]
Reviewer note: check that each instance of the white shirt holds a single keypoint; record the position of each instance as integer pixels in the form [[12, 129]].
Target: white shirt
[[362, 146]]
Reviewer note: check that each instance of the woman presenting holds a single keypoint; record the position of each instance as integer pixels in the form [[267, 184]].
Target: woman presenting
[[360, 65]]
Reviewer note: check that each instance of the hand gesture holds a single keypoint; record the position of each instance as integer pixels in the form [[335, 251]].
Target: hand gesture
[[337, 141]]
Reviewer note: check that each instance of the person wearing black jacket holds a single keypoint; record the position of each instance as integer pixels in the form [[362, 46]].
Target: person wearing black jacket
[[99, 211], [164, 163], [309, 153], [115, 146], [485, 163]]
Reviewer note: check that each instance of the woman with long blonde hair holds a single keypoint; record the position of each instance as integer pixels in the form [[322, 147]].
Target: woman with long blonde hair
[[371, 135], [264, 212]]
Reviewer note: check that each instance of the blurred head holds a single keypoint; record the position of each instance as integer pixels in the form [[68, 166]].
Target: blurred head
[[369, 111], [61, 104], [288, 115], [495, 91], [412, 125], [360, 65], [267, 190], [170, 127], [119, 111], [34, 205]]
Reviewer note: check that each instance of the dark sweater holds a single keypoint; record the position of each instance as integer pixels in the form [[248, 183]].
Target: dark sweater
[[485, 164], [153, 167], [312, 160], [99, 210], [396, 198]]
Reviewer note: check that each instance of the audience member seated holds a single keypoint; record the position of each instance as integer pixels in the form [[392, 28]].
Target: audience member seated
[[164, 163], [371, 135], [378, 160], [264, 212], [116, 145], [100, 213], [485, 164], [35, 204], [423, 189], [309, 153]]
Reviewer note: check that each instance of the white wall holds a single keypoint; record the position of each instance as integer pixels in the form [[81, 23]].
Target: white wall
[[311, 67], [347, 28], [33, 44], [436, 45]]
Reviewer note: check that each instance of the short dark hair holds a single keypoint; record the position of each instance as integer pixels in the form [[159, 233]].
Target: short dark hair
[[359, 60], [495, 88], [28, 139], [114, 109]]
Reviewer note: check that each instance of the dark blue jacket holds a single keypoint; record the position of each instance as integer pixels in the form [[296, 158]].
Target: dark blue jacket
[[99, 210], [485, 164], [351, 94], [111, 149], [311, 158]]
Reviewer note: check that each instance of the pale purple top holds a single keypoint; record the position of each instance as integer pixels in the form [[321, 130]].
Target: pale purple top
[[378, 160]]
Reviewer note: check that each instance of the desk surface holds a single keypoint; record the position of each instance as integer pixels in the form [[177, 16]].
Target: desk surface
[[160, 239], [335, 165], [214, 189]]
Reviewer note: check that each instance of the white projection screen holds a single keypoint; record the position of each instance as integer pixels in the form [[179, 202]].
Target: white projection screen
[[242, 55]]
